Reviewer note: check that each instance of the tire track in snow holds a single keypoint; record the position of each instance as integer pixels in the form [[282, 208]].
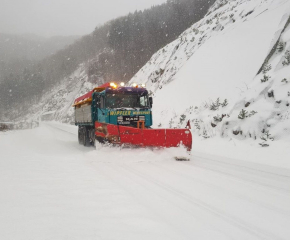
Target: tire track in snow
[[232, 220], [245, 179], [234, 163], [241, 169], [215, 186], [128, 190]]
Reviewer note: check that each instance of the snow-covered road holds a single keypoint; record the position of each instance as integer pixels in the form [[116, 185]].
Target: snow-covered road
[[53, 188]]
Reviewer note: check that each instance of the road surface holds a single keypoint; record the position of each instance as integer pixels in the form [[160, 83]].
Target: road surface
[[53, 188]]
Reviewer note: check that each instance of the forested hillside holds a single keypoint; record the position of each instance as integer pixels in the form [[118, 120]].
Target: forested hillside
[[114, 51]]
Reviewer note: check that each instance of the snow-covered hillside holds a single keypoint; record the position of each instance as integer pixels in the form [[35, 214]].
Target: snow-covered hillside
[[57, 103], [209, 74]]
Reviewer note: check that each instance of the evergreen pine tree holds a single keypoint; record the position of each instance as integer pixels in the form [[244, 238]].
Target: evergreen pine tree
[[284, 80], [286, 62], [266, 68], [280, 46], [243, 114], [225, 103], [265, 78]]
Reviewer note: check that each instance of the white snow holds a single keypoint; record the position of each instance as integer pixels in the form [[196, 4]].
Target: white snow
[[232, 188], [53, 188], [219, 57], [222, 64]]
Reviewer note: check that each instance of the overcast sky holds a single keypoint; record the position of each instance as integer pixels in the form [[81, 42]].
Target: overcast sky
[[63, 17]]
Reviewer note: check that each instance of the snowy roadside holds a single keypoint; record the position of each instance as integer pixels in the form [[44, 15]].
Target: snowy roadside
[[249, 151], [276, 155]]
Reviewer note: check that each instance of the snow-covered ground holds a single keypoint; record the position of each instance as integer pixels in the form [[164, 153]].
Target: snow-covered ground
[[53, 188], [232, 188]]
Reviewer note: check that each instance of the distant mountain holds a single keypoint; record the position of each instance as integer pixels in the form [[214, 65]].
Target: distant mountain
[[31, 47], [19, 52]]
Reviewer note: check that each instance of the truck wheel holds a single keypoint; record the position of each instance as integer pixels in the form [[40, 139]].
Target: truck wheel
[[92, 137], [86, 137], [80, 135]]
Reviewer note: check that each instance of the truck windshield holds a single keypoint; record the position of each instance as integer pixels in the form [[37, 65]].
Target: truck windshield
[[118, 100]]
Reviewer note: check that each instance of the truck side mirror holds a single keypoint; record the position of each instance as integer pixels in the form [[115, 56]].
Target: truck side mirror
[[97, 101], [102, 102], [151, 101]]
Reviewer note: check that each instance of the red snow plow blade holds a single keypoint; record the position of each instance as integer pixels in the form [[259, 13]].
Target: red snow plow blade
[[144, 137]]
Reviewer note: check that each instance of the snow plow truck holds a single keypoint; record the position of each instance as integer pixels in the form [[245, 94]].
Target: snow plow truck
[[122, 115]]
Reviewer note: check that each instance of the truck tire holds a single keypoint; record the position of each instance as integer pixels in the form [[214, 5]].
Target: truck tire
[[86, 137], [80, 135], [92, 137]]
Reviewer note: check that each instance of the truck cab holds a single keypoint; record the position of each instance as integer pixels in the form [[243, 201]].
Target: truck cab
[[122, 106], [114, 105]]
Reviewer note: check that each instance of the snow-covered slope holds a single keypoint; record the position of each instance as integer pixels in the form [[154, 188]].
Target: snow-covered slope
[[218, 57], [209, 74], [57, 103], [267, 97]]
